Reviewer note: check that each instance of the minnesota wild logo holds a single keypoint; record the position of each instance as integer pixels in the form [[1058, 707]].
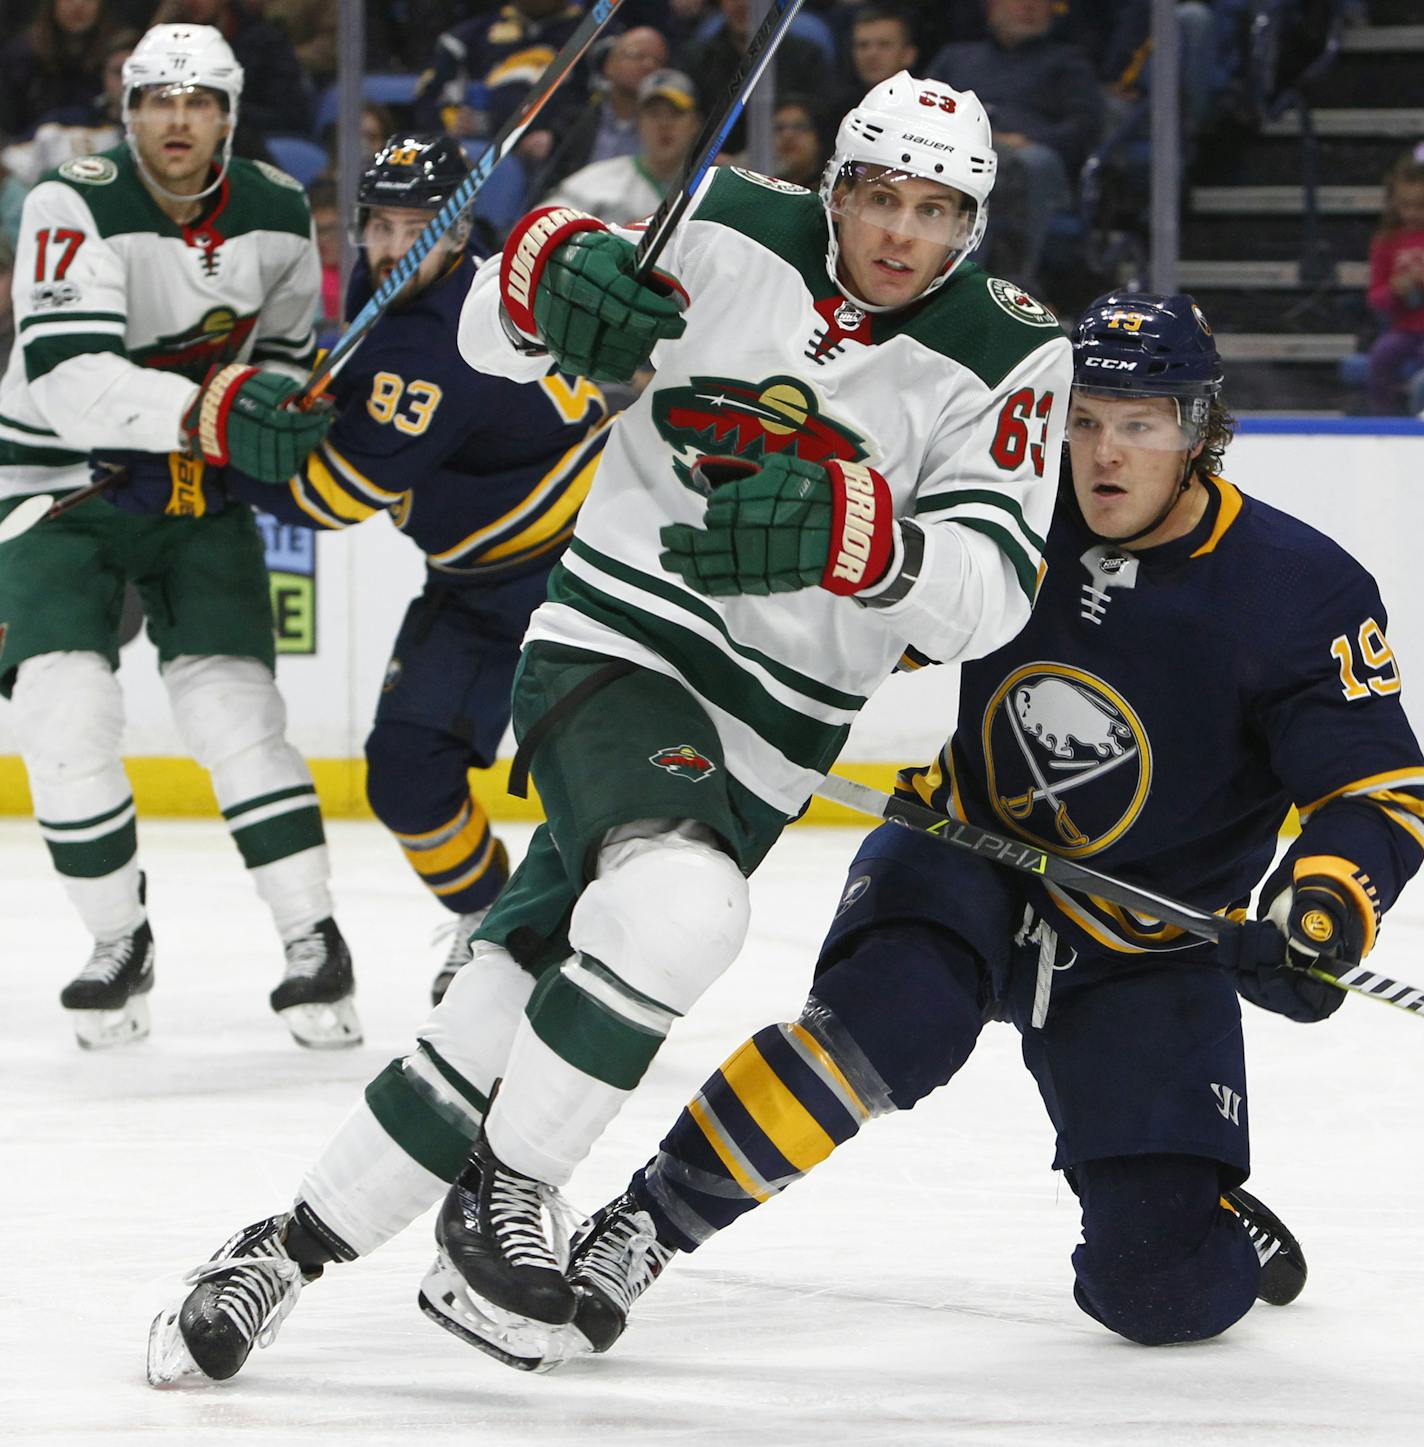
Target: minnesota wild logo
[[684, 761], [727, 417], [218, 337]]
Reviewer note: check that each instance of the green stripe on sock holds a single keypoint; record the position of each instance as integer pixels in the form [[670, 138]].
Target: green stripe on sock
[[453, 1078], [430, 1139], [248, 805], [588, 1036], [86, 823], [96, 857], [278, 838]]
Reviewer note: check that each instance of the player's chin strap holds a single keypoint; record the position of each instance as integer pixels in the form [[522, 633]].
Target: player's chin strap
[[152, 181]]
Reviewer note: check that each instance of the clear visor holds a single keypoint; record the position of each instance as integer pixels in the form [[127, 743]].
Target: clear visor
[[1151, 423], [908, 205], [171, 91], [394, 230]]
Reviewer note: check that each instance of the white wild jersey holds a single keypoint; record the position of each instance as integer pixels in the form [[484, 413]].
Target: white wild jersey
[[959, 402], [120, 311]]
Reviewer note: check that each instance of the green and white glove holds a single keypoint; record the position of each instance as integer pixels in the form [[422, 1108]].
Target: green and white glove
[[784, 525], [567, 285], [238, 418]]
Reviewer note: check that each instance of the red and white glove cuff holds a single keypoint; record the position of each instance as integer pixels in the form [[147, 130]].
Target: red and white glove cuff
[[533, 241], [209, 428], [862, 528]]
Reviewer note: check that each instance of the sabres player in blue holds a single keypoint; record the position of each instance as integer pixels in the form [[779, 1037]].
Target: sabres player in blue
[[484, 475], [1196, 663]]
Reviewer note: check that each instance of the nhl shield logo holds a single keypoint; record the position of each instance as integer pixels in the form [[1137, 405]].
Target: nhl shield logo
[[684, 761]]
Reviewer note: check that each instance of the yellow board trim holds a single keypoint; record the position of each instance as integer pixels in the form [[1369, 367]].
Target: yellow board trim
[[178, 788]]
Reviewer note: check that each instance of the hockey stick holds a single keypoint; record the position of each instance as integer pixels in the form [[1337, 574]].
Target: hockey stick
[[760, 48], [506, 138], [44, 505], [1016, 854], [41, 506]]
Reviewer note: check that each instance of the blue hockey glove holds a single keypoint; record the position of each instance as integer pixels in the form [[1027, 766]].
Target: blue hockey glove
[[161, 484]]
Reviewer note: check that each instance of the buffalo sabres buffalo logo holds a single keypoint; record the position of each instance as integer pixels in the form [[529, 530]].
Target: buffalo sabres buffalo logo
[[1068, 761], [725, 417], [684, 761]]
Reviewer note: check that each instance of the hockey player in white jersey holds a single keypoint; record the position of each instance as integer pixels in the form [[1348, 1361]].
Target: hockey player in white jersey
[[166, 306], [886, 422]]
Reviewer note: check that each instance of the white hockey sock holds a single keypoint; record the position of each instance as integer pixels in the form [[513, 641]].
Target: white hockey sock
[[548, 1113], [296, 890], [365, 1186]]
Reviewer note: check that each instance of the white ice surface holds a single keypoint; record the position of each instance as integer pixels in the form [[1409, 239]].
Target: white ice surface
[[915, 1288]]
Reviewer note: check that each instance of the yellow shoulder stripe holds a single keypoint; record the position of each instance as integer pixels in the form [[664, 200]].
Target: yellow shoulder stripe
[[1227, 514]]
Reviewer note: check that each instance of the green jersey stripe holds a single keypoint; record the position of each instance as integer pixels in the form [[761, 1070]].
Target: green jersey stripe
[[25, 427], [1023, 566], [19, 454], [44, 354], [804, 741], [937, 501], [41, 319], [669, 593]]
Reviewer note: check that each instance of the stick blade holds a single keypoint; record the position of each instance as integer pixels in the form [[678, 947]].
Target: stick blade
[[22, 518]]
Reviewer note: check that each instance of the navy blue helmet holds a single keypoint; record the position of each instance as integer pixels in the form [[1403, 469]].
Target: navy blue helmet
[[413, 170], [1139, 343]]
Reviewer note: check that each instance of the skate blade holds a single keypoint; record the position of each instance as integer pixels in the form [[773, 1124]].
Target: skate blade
[[105, 1029], [323, 1027], [170, 1364], [518, 1342]]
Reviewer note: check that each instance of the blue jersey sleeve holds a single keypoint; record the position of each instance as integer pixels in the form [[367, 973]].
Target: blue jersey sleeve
[[1339, 739]]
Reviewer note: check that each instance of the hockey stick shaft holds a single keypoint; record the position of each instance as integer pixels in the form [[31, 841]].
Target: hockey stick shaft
[[760, 49], [460, 200], [1053, 868]]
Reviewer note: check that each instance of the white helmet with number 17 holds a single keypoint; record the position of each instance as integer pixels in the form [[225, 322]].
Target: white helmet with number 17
[[922, 129]]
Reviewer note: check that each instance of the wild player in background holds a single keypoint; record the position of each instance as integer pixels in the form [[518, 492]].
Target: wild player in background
[[483, 474], [143, 271], [1196, 662], [696, 668]]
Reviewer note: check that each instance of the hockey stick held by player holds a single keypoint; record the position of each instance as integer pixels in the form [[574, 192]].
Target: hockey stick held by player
[[1179, 639]]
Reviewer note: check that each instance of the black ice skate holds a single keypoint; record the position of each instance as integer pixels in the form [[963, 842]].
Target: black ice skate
[[314, 998], [459, 952], [240, 1298], [107, 999], [496, 1282], [614, 1260], [1283, 1268]]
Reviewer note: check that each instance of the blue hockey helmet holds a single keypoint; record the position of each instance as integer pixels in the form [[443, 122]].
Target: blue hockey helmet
[[1143, 344]]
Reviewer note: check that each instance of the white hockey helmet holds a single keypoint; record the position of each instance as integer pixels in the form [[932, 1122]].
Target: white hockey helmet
[[186, 57], [920, 128]]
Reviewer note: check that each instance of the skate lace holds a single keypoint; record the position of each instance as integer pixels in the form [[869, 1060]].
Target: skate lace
[[624, 1260], [517, 1205], [255, 1297], [108, 960], [306, 956], [455, 934]]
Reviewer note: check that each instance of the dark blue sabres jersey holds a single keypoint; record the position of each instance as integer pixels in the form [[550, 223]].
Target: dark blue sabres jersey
[[485, 475], [1162, 711]]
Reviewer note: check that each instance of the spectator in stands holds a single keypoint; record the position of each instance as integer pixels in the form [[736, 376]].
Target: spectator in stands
[[80, 131], [311, 26], [801, 142], [54, 65], [881, 43], [1396, 290], [800, 65], [628, 188], [1046, 109], [608, 124], [276, 94], [327, 222], [505, 53]]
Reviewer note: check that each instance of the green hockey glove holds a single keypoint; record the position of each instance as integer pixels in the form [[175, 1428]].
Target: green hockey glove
[[784, 525], [566, 283], [238, 418]]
